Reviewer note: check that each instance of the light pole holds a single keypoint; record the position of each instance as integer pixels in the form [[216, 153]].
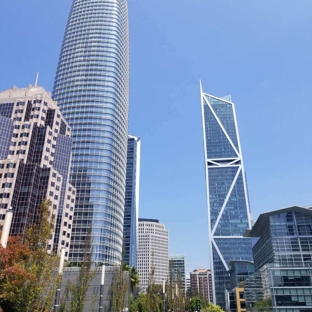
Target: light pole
[[6, 227], [58, 291], [164, 296], [102, 289]]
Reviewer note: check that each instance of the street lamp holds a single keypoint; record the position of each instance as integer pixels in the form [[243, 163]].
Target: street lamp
[[102, 289], [164, 296], [6, 227], [58, 291]]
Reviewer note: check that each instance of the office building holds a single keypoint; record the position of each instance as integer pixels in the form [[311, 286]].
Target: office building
[[188, 285], [201, 284], [131, 214], [239, 272], [153, 252], [227, 200], [35, 155], [92, 90], [177, 271], [236, 300], [283, 261]]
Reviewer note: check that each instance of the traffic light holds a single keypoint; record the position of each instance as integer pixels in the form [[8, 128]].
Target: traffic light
[[197, 305]]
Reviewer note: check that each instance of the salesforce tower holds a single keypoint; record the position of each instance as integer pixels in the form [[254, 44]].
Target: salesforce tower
[[92, 88]]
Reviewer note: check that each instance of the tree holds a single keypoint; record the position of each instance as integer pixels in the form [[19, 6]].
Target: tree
[[213, 308], [179, 293], [263, 304], [153, 302], [75, 293], [191, 303], [28, 279], [134, 276], [13, 272], [119, 289], [134, 279], [138, 304]]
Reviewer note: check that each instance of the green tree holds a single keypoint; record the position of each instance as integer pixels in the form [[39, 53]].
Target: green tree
[[263, 304], [134, 279], [153, 301], [75, 293], [118, 290], [191, 303], [138, 304], [134, 276], [31, 279], [213, 308]]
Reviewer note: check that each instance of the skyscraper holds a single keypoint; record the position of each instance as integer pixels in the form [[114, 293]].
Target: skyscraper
[[132, 201], [35, 155], [227, 200], [153, 252], [91, 87]]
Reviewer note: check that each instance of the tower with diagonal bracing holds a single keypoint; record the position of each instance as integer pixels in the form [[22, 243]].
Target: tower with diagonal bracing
[[227, 198]]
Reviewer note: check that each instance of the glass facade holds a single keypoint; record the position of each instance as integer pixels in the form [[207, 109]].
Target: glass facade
[[177, 271], [283, 260], [61, 163], [228, 207], [289, 289], [240, 271], [6, 130], [287, 241], [130, 233], [91, 87]]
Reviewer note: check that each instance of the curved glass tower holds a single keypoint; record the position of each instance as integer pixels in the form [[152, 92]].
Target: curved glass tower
[[92, 88]]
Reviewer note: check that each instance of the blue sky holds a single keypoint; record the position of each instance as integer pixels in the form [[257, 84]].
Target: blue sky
[[257, 51]]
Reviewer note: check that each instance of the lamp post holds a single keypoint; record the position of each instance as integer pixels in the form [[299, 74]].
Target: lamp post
[[164, 296], [102, 289], [58, 291], [6, 227]]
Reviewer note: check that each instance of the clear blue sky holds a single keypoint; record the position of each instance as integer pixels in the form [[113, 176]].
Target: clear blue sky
[[257, 51]]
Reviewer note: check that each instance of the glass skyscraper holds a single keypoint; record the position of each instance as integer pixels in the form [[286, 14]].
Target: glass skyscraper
[[227, 200], [130, 234], [91, 88]]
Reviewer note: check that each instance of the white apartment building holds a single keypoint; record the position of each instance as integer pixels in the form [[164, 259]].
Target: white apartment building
[[153, 252]]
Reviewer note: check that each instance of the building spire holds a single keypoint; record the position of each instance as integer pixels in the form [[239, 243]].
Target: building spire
[[36, 82]]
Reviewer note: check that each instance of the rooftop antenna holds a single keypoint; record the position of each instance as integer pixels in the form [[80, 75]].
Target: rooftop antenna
[[36, 82]]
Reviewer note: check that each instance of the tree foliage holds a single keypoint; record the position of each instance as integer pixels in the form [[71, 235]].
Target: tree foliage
[[153, 302], [213, 308], [75, 293], [118, 290], [175, 295], [264, 303], [28, 278], [134, 279], [134, 276]]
